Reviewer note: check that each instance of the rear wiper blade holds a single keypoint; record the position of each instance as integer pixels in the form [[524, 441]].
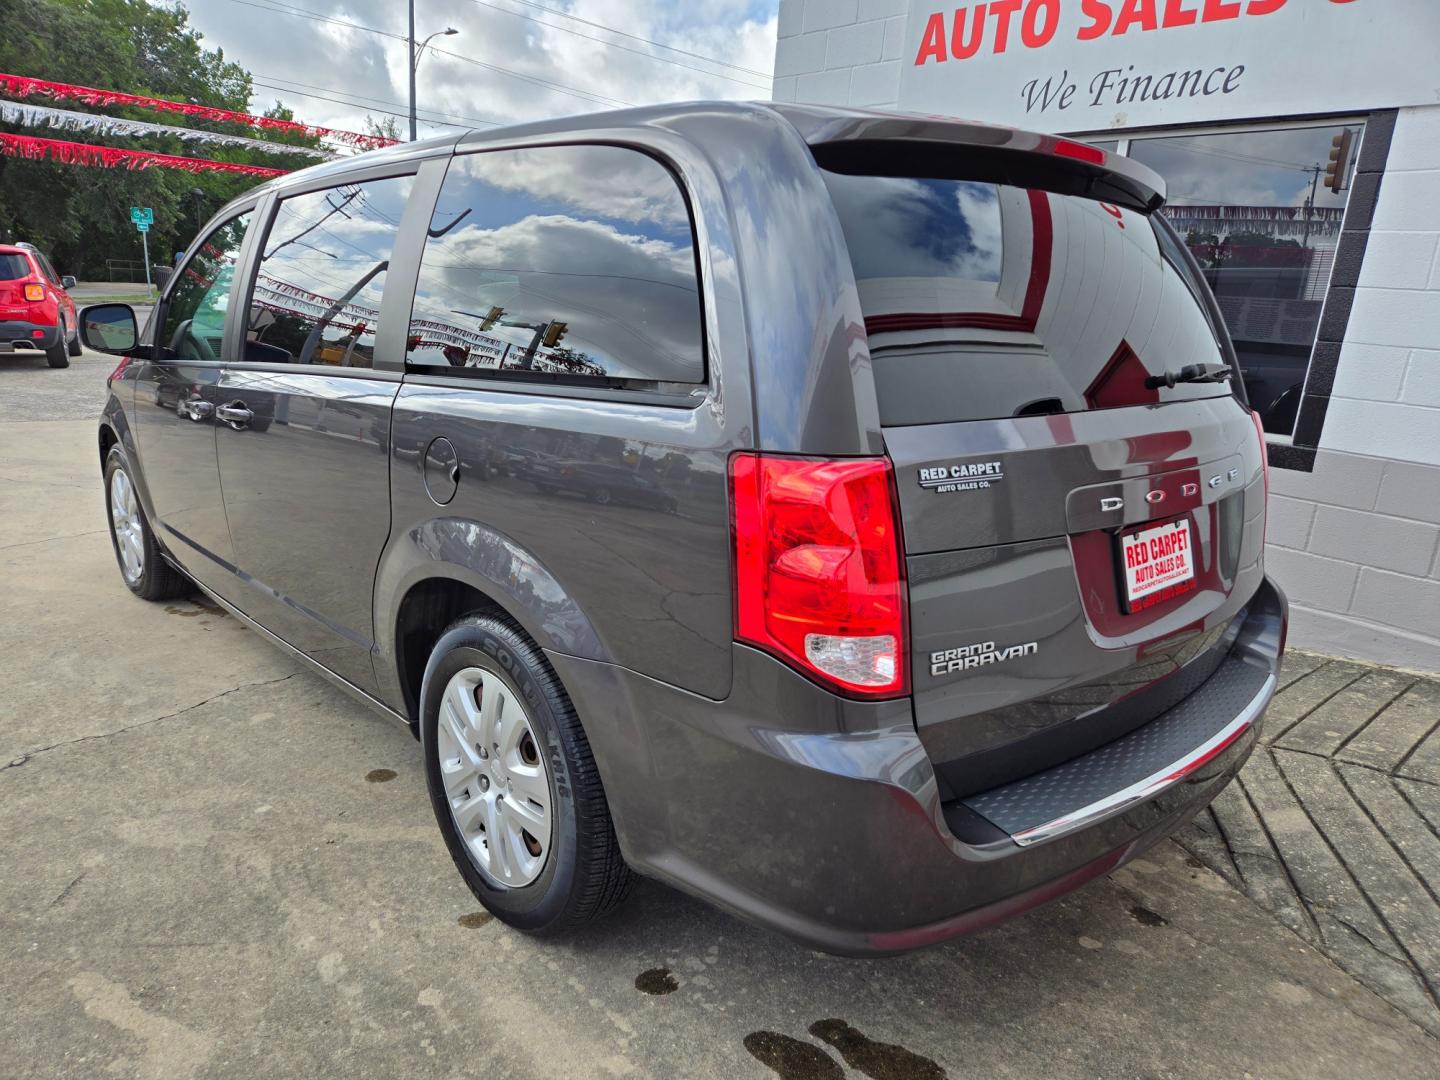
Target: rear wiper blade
[[1190, 373]]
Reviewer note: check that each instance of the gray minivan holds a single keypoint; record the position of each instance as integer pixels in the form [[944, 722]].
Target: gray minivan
[[853, 519]]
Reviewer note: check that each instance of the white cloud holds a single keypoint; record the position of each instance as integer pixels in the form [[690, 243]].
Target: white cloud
[[309, 56]]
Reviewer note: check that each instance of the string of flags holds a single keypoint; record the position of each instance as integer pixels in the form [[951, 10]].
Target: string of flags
[[37, 148]]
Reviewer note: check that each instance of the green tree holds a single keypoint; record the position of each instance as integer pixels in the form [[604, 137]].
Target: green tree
[[80, 214]]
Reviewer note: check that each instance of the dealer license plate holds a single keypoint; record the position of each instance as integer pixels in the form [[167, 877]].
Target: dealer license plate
[[1157, 564]]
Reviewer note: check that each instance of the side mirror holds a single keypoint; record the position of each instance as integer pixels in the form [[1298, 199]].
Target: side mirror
[[109, 328], [68, 281]]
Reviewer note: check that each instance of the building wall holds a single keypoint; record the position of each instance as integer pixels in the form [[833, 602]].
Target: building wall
[[1356, 541], [1354, 534]]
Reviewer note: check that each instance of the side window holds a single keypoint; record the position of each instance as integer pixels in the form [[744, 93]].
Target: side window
[[322, 272], [575, 262], [195, 309], [45, 266]]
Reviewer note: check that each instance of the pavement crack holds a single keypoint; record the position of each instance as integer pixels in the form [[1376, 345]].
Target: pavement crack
[[65, 892], [30, 755], [52, 539]]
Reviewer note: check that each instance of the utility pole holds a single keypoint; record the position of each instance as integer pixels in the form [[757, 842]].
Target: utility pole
[[414, 59], [413, 65]]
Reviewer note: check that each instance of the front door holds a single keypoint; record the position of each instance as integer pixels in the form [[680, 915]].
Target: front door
[[303, 422], [175, 399]]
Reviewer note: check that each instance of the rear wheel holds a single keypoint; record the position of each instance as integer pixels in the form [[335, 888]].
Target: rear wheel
[[144, 569], [74, 347], [57, 355], [513, 783]]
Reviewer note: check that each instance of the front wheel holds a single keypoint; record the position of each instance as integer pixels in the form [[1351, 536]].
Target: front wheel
[[513, 783], [144, 569]]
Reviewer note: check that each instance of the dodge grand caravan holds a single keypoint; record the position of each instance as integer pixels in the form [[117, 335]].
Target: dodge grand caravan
[[853, 519]]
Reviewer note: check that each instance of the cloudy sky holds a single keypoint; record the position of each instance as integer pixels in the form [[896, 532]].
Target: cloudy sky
[[511, 60]]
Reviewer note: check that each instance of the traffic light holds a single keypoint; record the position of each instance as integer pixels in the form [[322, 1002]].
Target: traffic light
[[491, 317], [554, 331], [1339, 167]]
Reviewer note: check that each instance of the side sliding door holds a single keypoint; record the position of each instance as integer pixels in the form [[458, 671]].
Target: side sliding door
[[303, 415]]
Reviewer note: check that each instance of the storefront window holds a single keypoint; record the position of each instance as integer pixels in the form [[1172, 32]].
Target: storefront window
[[1262, 211]]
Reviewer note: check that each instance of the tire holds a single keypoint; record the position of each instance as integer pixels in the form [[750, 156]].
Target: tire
[[580, 874], [155, 579], [57, 355], [75, 348]]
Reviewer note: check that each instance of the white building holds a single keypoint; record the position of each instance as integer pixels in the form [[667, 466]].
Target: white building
[[1332, 296]]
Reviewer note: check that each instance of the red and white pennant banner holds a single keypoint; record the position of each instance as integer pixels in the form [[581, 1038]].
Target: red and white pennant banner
[[22, 86], [23, 115], [111, 157]]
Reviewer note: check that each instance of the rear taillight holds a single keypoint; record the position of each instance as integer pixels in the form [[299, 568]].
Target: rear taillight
[[1264, 464], [34, 293], [819, 575]]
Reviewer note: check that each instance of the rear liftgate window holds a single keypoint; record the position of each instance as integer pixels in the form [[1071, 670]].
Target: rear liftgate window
[[984, 301], [13, 267]]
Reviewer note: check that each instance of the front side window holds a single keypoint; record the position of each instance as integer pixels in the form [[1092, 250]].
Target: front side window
[[194, 323], [569, 262], [317, 292], [1262, 212]]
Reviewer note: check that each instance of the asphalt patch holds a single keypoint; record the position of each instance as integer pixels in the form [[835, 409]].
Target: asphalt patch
[[475, 919], [381, 776]]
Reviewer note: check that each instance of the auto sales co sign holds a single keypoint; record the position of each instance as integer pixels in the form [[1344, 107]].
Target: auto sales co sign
[[1092, 65]]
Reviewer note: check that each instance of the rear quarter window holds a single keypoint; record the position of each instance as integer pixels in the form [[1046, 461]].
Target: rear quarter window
[[568, 263], [986, 300], [13, 267]]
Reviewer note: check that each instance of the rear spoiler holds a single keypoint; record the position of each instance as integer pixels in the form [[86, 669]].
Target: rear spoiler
[[892, 144]]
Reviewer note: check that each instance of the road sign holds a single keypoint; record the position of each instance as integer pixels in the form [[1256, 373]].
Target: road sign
[[143, 226], [142, 214]]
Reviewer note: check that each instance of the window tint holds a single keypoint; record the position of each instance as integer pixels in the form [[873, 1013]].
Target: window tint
[[1259, 211], [322, 274], [572, 261], [13, 267], [987, 300], [195, 311], [45, 267]]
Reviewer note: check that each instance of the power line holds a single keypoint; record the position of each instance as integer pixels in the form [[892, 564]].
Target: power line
[[363, 98], [305, 13], [636, 37], [626, 48]]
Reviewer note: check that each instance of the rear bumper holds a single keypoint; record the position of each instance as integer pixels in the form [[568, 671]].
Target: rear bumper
[[21, 335], [831, 828]]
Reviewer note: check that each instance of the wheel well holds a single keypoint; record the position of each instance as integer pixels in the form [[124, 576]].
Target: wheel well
[[428, 608], [107, 440]]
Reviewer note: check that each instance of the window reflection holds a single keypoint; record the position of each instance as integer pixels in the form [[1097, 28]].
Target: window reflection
[[989, 300], [572, 261], [1255, 209], [322, 274], [195, 309]]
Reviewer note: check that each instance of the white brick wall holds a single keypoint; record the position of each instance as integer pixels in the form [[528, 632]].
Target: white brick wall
[[840, 52]]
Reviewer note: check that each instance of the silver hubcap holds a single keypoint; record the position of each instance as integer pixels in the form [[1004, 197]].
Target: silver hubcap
[[495, 777], [129, 530]]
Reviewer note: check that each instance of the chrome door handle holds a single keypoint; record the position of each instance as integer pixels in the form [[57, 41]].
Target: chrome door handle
[[235, 414], [195, 409]]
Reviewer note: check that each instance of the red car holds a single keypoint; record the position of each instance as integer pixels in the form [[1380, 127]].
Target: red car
[[36, 311]]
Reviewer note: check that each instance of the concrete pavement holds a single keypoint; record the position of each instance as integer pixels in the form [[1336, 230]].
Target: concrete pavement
[[217, 865]]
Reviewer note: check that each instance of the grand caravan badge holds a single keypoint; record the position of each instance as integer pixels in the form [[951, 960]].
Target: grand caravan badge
[[970, 476]]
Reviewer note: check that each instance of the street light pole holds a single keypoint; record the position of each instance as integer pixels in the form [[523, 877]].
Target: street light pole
[[415, 60], [413, 65]]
